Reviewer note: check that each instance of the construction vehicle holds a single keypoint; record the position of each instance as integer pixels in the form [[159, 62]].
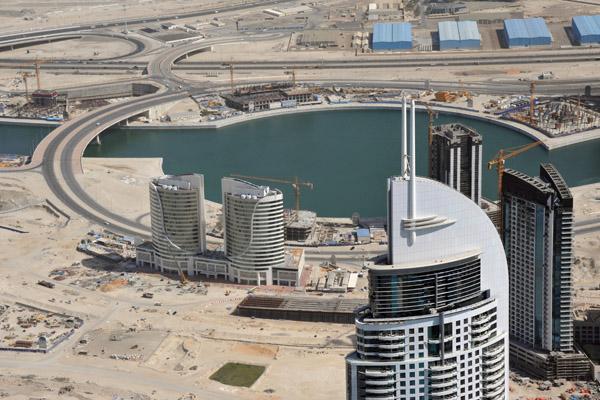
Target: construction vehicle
[[295, 183], [47, 284], [499, 159], [464, 92], [227, 292]]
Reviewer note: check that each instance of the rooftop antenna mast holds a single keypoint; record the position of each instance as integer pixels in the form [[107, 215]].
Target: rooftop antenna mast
[[412, 211]]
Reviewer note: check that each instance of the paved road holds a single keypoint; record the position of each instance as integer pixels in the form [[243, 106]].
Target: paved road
[[62, 150], [134, 21]]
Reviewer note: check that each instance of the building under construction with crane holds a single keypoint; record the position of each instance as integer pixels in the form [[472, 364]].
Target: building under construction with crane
[[269, 97]]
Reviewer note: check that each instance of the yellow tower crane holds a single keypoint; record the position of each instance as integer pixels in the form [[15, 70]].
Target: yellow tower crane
[[24, 75], [294, 70], [432, 114], [499, 159], [295, 183], [37, 64], [231, 64]]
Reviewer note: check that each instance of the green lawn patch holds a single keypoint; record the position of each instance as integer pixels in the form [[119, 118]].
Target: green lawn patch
[[236, 374]]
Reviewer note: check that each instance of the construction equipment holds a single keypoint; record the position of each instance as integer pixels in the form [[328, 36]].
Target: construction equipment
[[432, 114], [446, 96], [501, 157], [294, 69], [37, 64], [231, 67], [24, 75], [295, 183], [464, 92]]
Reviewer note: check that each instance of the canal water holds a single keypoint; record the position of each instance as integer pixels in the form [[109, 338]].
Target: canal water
[[347, 155]]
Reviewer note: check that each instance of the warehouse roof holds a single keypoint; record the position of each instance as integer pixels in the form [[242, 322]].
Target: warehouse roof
[[448, 30], [402, 32], [388, 33], [536, 28], [468, 30], [516, 28], [586, 25]]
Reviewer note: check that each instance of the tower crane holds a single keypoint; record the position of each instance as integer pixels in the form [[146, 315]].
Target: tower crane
[[24, 75], [501, 157], [295, 183], [432, 114], [294, 69], [231, 66], [37, 64]]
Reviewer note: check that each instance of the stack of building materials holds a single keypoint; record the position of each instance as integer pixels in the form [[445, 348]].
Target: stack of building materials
[[392, 36], [586, 28], [526, 32], [458, 35]]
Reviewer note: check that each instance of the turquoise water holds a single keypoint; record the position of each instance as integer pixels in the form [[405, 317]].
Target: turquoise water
[[21, 139], [347, 155]]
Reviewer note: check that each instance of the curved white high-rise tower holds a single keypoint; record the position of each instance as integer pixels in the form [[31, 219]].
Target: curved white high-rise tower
[[177, 219], [437, 322], [253, 229]]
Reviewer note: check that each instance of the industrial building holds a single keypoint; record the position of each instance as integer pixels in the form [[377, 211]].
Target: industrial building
[[258, 98], [526, 32], [246, 25], [456, 159], [334, 311], [586, 28], [319, 38], [458, 35], [386, 12], [253, 231], [446, 8], [437, 322], [397, 36], [538, 239]]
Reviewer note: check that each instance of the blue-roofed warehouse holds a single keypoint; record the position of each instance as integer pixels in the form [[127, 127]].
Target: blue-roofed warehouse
[[469, 34], [586, 29], [449, 36], [516, 32], [392, 36], [527, 32], [539, 34]]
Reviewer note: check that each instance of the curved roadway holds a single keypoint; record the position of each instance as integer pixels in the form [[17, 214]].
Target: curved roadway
[[59, 154]]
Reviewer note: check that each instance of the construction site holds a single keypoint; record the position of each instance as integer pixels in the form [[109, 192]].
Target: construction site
[[558, 116], [32, 329]]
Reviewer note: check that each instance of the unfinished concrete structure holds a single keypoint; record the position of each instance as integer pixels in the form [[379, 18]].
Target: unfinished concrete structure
[[336, 311]]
